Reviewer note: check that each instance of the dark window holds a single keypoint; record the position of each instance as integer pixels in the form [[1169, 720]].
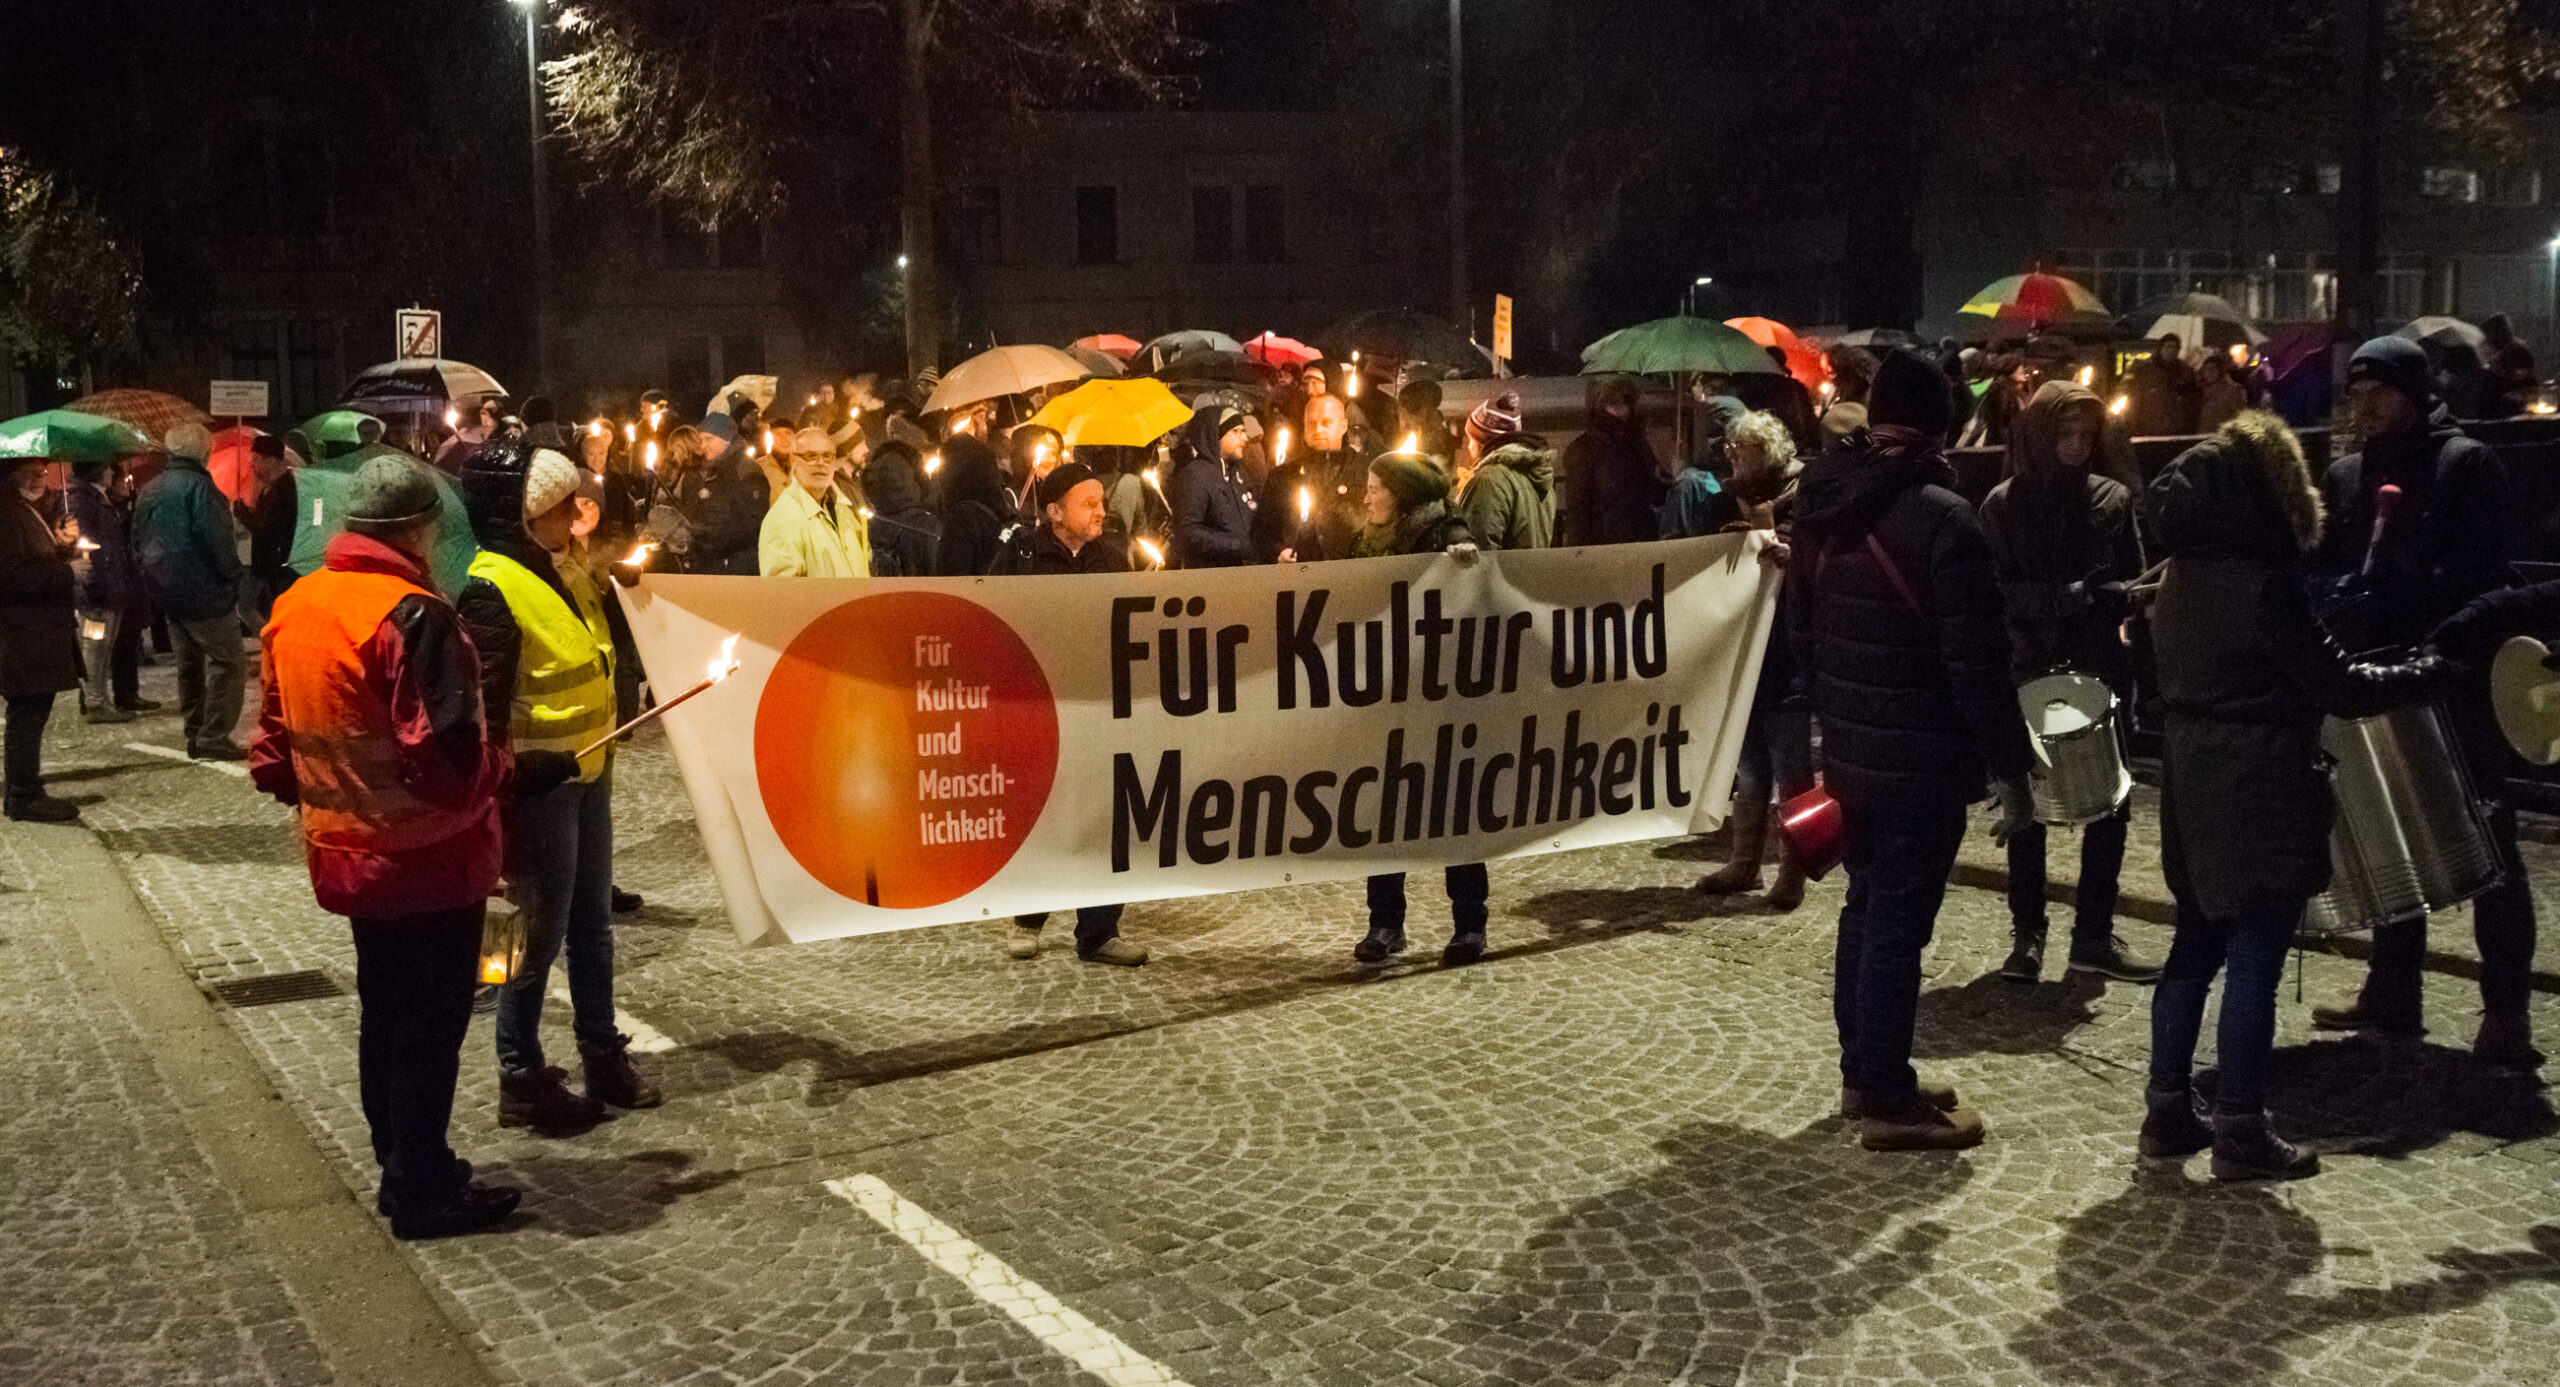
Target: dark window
[[254, 355], [302, 183], [1213, 225], [978, 224], [689, 373], [741, 246], [741, 354], [311, 362], [683, 245], [1266, 224], [1097, 226], [246, 211]]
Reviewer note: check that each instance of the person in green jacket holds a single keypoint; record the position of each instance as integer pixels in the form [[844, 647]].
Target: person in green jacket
[[1510, 496], [190, 555]]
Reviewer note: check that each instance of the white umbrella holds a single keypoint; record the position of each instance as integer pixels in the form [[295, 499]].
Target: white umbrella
[[1004, 371], [756, 388], [428, 383]]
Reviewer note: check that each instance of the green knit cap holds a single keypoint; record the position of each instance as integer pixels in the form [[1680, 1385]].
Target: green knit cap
[[1411, 478]]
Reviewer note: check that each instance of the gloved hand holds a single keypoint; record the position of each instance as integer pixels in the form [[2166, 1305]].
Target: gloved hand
[[1464, 553], [539, 773], [2017, 809]]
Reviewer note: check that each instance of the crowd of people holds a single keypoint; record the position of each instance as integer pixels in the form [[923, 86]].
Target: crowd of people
[[441, 657]]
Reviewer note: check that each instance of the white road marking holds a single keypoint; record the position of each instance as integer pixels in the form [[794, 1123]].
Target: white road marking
[[645, 1038], [170, 753], [1091, 1347]]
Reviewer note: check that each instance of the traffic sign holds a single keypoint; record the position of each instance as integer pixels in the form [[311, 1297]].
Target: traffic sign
[[420, 332]]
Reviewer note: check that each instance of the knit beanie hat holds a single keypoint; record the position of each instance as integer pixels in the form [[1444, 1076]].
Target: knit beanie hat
[[1063, 478], [390, 492], [549, 479], [1496, 421], [720, 426], [2396, 362], [189, 441], [1910, 392], [1411, 479]]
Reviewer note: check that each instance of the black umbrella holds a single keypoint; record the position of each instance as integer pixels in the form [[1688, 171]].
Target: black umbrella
[[1401, 334]]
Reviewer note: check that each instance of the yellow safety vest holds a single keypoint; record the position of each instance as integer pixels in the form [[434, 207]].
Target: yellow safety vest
[[564, 664]]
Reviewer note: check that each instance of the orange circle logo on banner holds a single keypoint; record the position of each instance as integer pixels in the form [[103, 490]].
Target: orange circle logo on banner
[[905, 746]]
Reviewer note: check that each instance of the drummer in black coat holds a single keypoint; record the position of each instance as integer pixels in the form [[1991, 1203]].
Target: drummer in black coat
[[2062, 538], [2448, 541], [2246, 675]]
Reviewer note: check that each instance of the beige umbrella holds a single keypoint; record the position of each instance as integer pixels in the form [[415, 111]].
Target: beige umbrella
[[1004, 371]]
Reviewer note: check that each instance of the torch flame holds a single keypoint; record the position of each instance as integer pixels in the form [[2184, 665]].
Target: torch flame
[[932, 463], [725, 663], [1412, 443], [651, 457], [87, 545], [1155, 556], [1306, 505], [768, 440], [2087, 374], [595, 428], [1150, 475], [640, 555], [1281, 451], [631, 433], [452, 417], [2116, 406]]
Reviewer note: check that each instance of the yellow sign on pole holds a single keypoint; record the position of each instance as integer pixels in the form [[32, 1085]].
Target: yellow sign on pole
[[1502, 326]]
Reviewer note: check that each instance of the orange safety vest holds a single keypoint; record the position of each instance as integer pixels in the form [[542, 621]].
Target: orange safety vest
[[345, 755]]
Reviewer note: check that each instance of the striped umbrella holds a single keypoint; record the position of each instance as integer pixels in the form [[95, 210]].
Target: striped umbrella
[[2037, 299]]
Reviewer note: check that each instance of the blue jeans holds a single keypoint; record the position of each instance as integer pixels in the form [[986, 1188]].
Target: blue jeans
[[2093, 916], [2252, 947], [560, 866], [1898, 857], [1469, 886]]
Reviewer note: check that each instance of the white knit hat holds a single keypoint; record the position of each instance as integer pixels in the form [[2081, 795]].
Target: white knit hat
[[189, 441], [548, 480]]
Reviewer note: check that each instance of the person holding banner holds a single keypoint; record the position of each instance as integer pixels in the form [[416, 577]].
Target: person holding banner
[[1407, 505], [1509, 500], [546, 655], [1336, 467], [1894, 609], [371, 726], [1071, 538]]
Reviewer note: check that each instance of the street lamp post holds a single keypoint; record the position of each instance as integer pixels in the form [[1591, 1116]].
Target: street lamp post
[[541, 192], [1461, 297], [2551, 286], [1689, 297]]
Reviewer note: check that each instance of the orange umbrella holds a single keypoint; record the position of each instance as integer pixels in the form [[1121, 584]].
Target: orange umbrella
[[1110, 344], [230, 465], [1808, 366]]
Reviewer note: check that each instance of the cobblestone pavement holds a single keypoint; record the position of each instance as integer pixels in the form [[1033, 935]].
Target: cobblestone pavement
[[1607, 1154]]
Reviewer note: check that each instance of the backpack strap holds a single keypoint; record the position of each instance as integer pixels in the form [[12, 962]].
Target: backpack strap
[[1893, 574]]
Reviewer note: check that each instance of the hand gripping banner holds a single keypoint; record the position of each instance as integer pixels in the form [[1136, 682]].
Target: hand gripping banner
[[902, 752]]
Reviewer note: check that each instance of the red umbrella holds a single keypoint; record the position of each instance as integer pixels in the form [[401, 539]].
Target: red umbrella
[[230, 465], [1272, 349], [152, 411], [1110, 344], [1810, 368]]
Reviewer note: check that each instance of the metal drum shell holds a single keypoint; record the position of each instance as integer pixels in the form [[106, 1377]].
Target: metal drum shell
[[2080, 776], [2410, 836]]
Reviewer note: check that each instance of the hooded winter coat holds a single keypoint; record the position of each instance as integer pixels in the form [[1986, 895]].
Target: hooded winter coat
[[2246, 674], [1613, 483], [1510, 502], [905, 533], [2063, 541], [183, 534], [977, 508], [1212, 520], [1906, 662], [2449, 541]]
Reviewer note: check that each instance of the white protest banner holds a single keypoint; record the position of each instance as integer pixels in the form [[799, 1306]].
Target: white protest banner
[[895, 753]]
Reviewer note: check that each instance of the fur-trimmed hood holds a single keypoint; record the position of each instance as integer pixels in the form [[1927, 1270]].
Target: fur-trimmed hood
[[2246, 492]]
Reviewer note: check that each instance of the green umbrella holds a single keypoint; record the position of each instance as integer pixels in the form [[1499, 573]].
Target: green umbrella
[[320, 506], [1677, 345], [69, 436]]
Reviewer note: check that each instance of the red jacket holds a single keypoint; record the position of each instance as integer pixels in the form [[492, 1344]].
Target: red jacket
[[371, 723]]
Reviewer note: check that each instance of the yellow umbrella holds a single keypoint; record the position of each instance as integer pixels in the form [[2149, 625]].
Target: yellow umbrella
[[1115, 413]]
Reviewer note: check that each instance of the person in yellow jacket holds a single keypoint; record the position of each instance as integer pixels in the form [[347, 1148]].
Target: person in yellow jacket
[[814, 530], [546, 656]]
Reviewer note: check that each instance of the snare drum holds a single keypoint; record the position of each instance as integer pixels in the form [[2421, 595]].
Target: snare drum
[[2080, 772], [2410, 835]]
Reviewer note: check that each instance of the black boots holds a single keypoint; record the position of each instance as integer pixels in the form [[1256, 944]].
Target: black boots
[[540, 1100], [1383, 942], [2026, 954], [2173, 1126], [612, 1079], [472, 1208], [2246, 1147], [2106, 956], [1750, 835]]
